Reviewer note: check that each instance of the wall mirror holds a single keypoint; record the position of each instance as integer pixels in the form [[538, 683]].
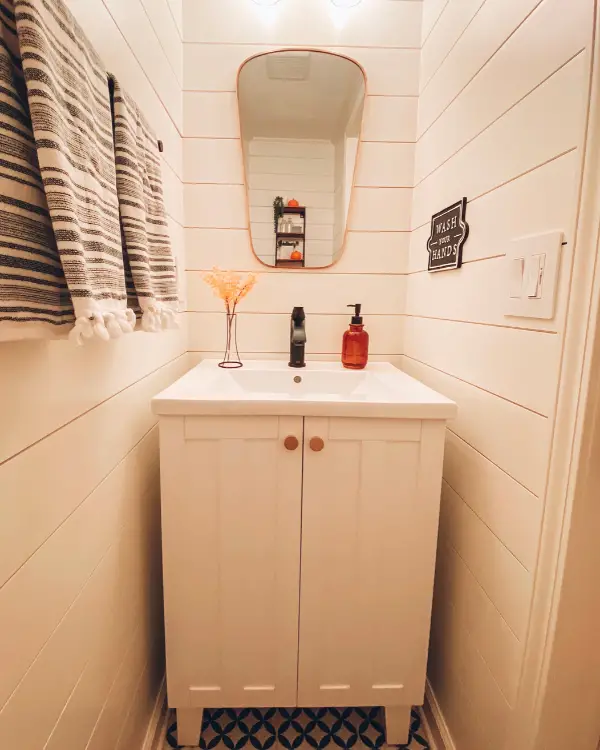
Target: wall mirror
[[301, 114]]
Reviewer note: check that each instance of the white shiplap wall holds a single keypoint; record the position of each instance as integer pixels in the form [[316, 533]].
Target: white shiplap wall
[[503, 91], [384, 37], [81, 641]]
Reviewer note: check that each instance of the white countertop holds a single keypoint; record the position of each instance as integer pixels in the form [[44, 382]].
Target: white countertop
[[326, 389]]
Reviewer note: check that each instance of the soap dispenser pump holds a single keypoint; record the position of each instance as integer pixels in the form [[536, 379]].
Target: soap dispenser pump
[[355, 346]]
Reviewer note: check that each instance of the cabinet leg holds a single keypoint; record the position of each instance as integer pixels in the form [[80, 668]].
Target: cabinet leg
[[397, 724], [189, 726]]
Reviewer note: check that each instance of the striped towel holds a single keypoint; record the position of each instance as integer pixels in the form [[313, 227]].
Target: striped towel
[[148, 254], [69, 103], [34, 299]]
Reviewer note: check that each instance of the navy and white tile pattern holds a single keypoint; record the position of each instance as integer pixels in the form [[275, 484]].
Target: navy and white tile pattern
[[297, 729]]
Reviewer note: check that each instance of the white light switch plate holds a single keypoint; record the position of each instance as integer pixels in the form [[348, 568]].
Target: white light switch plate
[[548, 246]]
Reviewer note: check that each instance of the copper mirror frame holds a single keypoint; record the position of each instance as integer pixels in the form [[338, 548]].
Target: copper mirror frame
[[336, 255]]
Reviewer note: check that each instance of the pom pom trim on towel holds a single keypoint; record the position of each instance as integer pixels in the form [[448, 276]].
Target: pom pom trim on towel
[[105, 326], [158, 317]]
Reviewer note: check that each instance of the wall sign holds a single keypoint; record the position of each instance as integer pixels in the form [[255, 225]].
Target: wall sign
[[449, 232]]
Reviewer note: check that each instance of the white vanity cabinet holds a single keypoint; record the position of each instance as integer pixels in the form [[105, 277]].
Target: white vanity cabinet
[[231, 527], [370, 505], [298, 556]]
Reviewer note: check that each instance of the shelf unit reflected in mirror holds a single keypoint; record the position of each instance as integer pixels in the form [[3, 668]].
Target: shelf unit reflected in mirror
[[290, 238]]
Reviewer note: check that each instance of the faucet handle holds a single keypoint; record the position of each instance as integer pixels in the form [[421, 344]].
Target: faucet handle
[[298, 315]]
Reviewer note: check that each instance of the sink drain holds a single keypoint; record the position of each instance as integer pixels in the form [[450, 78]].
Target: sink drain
[[297, 379]]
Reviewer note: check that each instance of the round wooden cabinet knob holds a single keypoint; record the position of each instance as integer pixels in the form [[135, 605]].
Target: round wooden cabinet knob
[[291, 442], [317, 444]]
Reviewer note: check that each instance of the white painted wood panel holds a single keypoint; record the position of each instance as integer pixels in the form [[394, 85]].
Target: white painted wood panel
[[510, 511], [246, 527], [512, 145], [515, 364], [385, 165], [432, 10], [141, 705], [445, 35], [270, 332], [213, 160], [213, 67], [541, 191], [77, 378], [459, 667], [74, 639], [289, 183], [299, 22], [380, 209], [364, 252], [27, 518], [219, 206], [176, 9], [114, 712], [369, 522], [105, 611], [197, 357], [210, 114], [390, 118], [374, 252], [290, 147], [168, 35], [445, 673], [506, 582], [545, 42], [282, 163], [495, 641], [173, 195], [285, 164], [489, 30], [32, 607], [524, 457], [84, 706], [316, 292]]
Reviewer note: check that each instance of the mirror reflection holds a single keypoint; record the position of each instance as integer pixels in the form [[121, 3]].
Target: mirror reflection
[[300, 114]]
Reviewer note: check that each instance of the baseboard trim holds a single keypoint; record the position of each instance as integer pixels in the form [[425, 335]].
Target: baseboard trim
[[433, 718], [157, 726]]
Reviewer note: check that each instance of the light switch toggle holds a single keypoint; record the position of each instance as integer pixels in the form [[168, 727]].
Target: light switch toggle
[[534, 276], [516, 270]]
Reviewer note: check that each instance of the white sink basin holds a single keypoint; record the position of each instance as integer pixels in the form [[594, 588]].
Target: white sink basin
[[320, 389], [333, 384]]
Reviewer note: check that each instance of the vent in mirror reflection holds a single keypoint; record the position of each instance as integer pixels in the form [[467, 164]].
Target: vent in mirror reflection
[[301, 115]]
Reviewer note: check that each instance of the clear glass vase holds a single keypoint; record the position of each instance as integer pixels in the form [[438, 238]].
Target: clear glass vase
[[231, 346]]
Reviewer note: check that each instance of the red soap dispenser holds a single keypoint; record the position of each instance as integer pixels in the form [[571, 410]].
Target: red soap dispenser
[[355, 346]]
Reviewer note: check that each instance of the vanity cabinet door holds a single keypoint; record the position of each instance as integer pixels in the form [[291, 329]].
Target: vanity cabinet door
[[231, 507], [369, 529]]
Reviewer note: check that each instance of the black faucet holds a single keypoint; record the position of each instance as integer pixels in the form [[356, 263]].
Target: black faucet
[[297, 338]]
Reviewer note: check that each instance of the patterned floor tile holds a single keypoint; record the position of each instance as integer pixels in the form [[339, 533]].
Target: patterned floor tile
[[297, 729]]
